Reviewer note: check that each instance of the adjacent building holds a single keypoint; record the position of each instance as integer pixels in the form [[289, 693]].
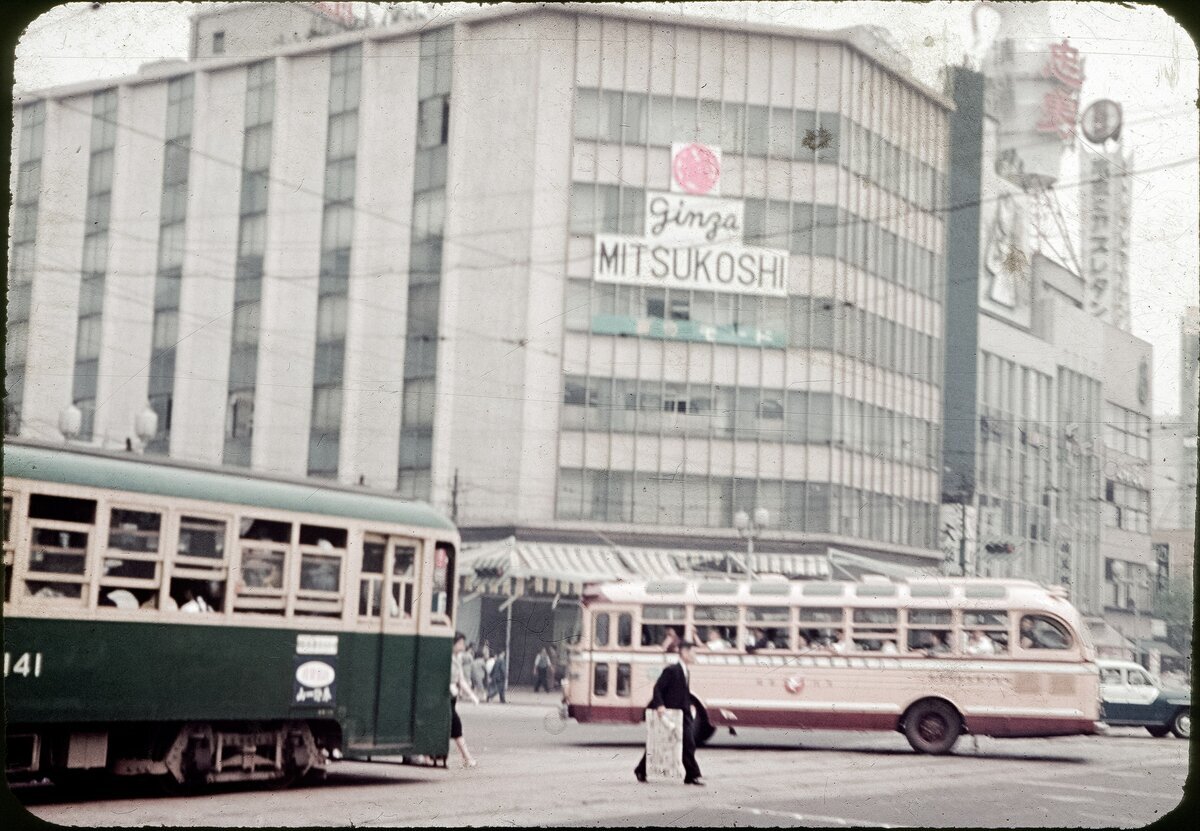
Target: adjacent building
[[593, 293]]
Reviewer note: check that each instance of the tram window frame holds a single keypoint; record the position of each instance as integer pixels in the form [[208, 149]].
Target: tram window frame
[[309, 600], [624, 685], [115, 589], [70, 588], [263, 599], [188, 571], [624, 629], [441, 591], [600, 675], [705, 620], [600, 629], [10, 547], [371, 582], [402, 586], [653, 628]]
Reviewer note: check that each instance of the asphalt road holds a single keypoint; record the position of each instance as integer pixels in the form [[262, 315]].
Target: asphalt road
[[536, 770]]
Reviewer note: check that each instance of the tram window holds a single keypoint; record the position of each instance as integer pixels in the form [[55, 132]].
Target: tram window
[[370, 584], [600, 629], [624, 677], [262, 568], [265, 530], [320, 573], [44, 589], [655, 634], [129, 598], [624, 629], [57, 552], [442, 596], [404, 576], [321, 554], [62, 508], [600, 679], [197, 594], [656, 621], [7, 516], [1038, 632], [200, 537], [9, 550], [134, 531], [720, 633], [322, 537]]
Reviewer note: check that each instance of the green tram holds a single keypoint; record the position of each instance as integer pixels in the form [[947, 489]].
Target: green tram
[[204, 626]]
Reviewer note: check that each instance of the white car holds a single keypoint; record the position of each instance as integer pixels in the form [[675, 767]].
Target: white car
[[1132, 697]]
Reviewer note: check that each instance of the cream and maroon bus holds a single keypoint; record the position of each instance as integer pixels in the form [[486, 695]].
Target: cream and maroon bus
[[932, 658]]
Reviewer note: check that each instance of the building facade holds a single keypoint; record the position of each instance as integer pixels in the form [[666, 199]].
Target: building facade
[[337, 312], [1047, 406]]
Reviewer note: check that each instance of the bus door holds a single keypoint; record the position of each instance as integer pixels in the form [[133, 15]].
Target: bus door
[[395, 678], [611, 670]]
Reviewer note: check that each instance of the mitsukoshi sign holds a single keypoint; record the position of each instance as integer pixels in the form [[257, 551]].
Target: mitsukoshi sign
[[692, 240]]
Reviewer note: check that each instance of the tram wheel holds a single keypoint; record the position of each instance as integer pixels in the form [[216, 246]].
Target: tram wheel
[[932, 726]]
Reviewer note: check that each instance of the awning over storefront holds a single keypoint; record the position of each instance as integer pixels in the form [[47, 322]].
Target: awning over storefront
[[514, 567], [1105, 636], [1164, 648]]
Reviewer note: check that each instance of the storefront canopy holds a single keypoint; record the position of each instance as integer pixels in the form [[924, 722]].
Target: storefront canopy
[[1164, 648], [508, 566]]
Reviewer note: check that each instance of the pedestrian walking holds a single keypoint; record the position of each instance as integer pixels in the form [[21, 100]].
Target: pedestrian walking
[[541, 671], [459, 686], [672, 691], [497, 680], [479, 673]]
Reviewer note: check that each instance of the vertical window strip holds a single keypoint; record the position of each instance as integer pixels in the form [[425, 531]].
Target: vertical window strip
[[337, 227], [252, 211], [177, 136], [20, 269]]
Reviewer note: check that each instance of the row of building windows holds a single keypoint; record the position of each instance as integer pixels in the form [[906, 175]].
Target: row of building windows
[[1126, 431], [798, 322], [624, 117], [252, 213], [24, 240], [747, 413], [798, 227], [1126, 507], [337, 229], [424, 290], [711, 502]]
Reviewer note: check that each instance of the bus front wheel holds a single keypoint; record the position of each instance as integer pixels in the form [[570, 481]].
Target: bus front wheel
[[932, 726]]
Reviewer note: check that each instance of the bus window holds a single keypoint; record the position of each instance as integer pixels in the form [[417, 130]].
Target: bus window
[[600, 629], [656, 620], [404, 578], [442, 597], [768, 627], [624, 675], [716, 626], [600, 679], [625, 629], [200, 571], [875, 630], [1039, 632], [929, 631], [370, 581], [980, 627], [820, 628]]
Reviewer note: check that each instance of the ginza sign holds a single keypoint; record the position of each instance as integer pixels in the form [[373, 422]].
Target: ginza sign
[[691, 242]]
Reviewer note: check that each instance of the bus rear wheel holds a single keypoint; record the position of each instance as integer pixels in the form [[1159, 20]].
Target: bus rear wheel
[[932, 726]]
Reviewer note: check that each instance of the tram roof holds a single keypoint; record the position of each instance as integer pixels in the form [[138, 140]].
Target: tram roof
[[168, 477]]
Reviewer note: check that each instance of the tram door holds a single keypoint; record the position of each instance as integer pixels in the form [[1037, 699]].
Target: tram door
[[395, 658]]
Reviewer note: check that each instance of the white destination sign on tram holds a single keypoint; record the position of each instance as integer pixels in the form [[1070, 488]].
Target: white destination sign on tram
[[736, 269]]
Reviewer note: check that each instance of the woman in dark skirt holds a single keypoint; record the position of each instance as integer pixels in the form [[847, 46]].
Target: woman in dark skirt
[[459, 685]]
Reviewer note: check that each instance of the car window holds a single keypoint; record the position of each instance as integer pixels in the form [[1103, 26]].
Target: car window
[[1138, 679], [1110, 676]]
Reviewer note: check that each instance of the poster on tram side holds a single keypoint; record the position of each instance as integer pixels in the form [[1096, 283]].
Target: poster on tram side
[[664, 746]]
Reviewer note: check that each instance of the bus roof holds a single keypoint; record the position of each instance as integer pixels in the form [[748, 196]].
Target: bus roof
[[166, 477], [934, 590]]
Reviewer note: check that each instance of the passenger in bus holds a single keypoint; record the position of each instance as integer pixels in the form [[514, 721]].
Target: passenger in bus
[[758, 640], [980, 644], [888, 647], [671, 641], [1044, 638], [194, 602], [844, 644], [714, 641]]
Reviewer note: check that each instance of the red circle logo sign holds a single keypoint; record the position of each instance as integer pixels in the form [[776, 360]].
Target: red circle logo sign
[[696, 169], [794, 685]]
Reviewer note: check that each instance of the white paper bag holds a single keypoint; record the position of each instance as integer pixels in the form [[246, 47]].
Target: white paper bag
[[664, 746]]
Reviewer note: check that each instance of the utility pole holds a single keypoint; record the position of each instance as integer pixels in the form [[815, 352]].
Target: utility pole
[[454, 499]]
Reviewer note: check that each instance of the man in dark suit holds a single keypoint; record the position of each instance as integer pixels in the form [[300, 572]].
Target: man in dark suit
[[672, 691]]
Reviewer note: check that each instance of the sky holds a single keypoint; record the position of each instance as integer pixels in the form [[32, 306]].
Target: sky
[[1139, 57]]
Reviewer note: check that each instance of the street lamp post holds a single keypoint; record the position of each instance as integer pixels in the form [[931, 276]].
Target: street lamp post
[[749, 528], [70, 422], [145, 424]]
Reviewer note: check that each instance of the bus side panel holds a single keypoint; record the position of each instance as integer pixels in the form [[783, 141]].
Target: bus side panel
[[431, 718], [91, 670]]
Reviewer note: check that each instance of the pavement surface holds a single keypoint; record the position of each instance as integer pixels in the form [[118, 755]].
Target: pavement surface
[[535, 769]]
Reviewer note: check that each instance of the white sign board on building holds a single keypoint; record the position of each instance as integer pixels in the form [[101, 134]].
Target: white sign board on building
[[673, 219], [1104, 200], [734, 269]]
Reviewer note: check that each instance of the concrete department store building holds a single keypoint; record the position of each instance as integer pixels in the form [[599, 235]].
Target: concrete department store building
[[375, 257]]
